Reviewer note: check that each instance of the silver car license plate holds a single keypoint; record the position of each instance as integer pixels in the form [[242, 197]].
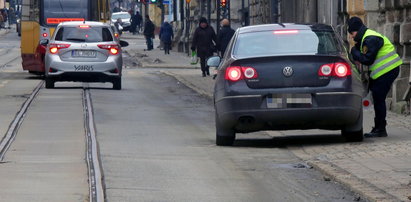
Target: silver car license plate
[[289, 101], [84, 53]]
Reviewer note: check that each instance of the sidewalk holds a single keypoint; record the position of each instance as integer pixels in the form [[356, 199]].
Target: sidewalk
[[156, 57], [379, 168]]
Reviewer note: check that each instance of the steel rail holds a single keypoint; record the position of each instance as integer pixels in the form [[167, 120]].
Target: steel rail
[[95, 174], [17, 121]]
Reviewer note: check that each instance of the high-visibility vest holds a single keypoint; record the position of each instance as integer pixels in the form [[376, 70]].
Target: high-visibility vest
[[387, 58]]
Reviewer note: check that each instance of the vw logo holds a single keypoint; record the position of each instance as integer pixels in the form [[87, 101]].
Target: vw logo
[[288, 71]]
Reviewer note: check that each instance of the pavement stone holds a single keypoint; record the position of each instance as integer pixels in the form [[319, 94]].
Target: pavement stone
[[379, 169]]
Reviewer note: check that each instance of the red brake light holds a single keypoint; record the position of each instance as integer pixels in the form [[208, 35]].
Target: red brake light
[[286, 32], [45, 35], [84, 26], [54, 47], [342, 70], [113, 48], [116, 35], [236, 73], [338, 69], [233, 74]]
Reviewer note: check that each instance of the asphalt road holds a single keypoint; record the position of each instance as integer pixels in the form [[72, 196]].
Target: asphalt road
[[156, 143]]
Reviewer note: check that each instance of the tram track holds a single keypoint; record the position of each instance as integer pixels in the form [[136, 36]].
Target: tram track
[[94, 168], [96, 183], [11, 133]]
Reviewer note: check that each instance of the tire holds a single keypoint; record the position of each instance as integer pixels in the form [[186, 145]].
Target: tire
[[49, 83], [117, 84], [224, 137], [354, 133]]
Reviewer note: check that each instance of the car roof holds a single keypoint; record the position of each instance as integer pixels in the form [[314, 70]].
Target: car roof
[[285, 26], [76, 23]]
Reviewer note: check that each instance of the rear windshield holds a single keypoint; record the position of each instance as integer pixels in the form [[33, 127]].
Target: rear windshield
[[122, 16], [77, 34], [56, 11], [290, 42]]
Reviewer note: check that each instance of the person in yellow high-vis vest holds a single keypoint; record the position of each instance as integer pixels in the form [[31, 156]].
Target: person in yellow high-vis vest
[[378, 53]]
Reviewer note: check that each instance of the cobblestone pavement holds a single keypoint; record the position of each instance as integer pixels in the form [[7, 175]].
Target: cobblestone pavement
[[379, 168]]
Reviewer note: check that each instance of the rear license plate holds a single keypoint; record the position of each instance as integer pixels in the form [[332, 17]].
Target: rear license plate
[[289, 101], [84, 53]]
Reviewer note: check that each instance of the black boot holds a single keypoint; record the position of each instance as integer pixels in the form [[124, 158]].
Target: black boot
[[204, 75], [379, 130], [208, 72]]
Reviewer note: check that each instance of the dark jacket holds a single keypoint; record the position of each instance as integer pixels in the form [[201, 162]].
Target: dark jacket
[[135, 21], [372, 43], [166, 33], [224, 37], [149, 29], [204, 41]]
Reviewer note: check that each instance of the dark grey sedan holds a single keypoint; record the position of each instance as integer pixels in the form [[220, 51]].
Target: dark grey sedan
[[283, 77]]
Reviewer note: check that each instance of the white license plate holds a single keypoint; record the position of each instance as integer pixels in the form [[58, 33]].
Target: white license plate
[[84, 53], [289, 100]]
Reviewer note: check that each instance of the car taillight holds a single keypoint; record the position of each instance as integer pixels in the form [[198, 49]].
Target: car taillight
[[337, 69], [55, 47], [249, 72], [45, 35], [113, 48], [236, 73], [117, 35]]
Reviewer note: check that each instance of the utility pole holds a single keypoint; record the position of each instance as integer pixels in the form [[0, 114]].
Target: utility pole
[[218, 16], [209, 10]]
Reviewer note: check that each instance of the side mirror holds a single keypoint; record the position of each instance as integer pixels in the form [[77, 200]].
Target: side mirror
[[123, 43], [213, 61], [44, 42]]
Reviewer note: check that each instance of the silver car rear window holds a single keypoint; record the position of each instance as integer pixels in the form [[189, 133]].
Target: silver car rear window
[[286, 42], [81, 35]]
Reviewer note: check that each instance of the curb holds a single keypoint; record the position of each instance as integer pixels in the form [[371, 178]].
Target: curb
[[361, 187], [165, 66]]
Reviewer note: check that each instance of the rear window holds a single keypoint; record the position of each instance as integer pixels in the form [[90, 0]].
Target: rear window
[[289, 42], [122, 16], [77, 34]]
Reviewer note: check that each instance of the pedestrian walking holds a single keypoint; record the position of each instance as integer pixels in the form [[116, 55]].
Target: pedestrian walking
[[204, 41], [12, 16], [378, 53], [149, 33], [135, 23], [166, 36], [117, 24], [225, 35]]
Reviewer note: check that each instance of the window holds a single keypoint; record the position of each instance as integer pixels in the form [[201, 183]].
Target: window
[[76, 34], [56, 11], [296, 42]]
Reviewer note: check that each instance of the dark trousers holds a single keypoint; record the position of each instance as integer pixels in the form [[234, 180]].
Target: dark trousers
[[167, 47], [149, 42], [380, 88], [204, 67]]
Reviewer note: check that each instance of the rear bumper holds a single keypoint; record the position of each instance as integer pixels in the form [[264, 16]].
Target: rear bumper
[[250, 113], [85, 77]]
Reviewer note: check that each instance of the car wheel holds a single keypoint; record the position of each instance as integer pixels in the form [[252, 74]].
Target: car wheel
[[117, 84], [49, 83], [224, 137], [354, 133]]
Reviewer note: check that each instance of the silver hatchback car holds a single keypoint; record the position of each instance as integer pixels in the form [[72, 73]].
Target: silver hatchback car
[[84, 51]]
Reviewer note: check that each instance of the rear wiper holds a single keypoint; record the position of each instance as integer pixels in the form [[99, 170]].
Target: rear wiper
[[76, 39]]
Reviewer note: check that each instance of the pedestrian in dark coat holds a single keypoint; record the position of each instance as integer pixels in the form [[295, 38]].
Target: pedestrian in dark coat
[[204, 41], [224, 37], [166, 36], [135, 23], [378, 53], [149, 33]]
